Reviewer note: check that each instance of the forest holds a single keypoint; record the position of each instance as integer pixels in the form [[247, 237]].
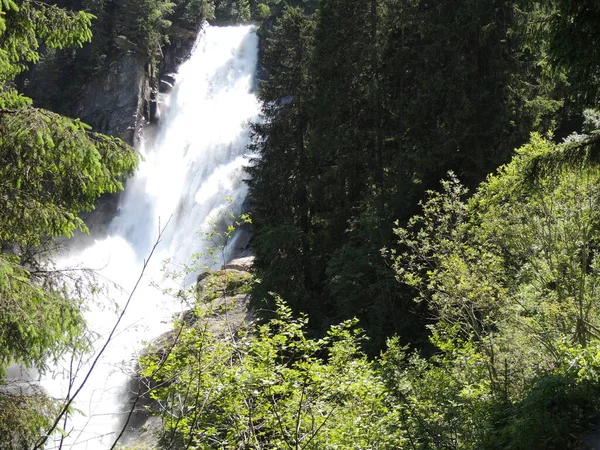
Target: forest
[[425, 210]]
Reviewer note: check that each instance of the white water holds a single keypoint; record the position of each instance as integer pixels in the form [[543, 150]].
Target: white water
[[191, 176]]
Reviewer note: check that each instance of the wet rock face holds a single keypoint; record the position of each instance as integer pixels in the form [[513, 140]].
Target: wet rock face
[[174, 53], [114, 102], [120, 101], [123, 99], [179, 48]]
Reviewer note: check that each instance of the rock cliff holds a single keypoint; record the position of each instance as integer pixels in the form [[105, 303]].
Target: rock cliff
[[116, 93], [117, 101], [221, 309], [121, 100]]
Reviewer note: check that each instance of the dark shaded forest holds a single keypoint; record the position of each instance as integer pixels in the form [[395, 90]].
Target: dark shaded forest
[[368, 105]]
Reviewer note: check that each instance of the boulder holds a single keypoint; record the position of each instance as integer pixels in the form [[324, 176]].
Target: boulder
[[240, 264]]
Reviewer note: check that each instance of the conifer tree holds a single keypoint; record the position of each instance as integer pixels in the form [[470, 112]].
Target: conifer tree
[[51, 169], [280, 177]]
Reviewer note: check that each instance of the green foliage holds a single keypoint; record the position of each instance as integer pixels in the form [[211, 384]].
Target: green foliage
[[275, 388], [224, 283], [510, 278], [37, 320], [279, 263], [22, 416], [443, 402], [557, 408], [569, 33], [262, 11], [280, 196], [53, 168], [143, 22], [23, 24], [367, 105], [553, 415], [236, 11], [470, 92], [561, 280], [232, 11], [197, 10], [448, 401]]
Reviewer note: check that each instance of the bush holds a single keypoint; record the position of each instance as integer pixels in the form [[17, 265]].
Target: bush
[[552, 415]]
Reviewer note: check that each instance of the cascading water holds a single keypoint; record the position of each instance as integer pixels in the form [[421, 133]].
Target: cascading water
[[191, 176]]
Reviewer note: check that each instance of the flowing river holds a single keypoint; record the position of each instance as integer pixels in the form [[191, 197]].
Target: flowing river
[[191, 179]]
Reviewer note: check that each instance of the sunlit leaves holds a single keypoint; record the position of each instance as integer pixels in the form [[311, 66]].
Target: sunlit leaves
[[35, 322], [515, 270], [23, 25], [23, 414], [52, 168], [275, 387], [144, 23]]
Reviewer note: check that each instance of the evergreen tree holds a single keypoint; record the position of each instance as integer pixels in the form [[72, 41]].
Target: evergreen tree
[[51, 169], [400, 92], [279, 185], [464, 92], [569, 34], [345, 147]]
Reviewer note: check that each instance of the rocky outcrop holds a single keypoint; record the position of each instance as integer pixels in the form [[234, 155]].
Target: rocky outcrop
[[222, 307], [115, 93], [240, 264], [181, 43], [125, 97], [116, 102]]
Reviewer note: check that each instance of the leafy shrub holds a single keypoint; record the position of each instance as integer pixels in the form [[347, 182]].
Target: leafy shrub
[[552, 415]]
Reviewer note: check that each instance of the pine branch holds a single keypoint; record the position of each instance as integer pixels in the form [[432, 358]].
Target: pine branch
[[584, 152]]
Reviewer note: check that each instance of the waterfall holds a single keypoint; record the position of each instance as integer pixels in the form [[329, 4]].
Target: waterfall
[[191, 176]]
